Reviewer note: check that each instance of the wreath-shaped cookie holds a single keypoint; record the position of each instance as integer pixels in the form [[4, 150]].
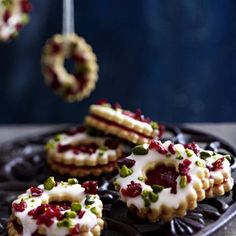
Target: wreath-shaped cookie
[[57, 208], [79, 154], [162, 181], [78, 84], [13, 16]]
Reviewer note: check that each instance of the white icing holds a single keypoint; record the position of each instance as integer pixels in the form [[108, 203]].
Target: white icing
[[118, 117], [75, 192], [154, 158]]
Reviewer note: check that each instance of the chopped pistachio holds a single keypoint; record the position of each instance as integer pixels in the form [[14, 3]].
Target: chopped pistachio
[[50, 145], [154, 125], [140, 150], [157, 188], [204, 155], [116, 185], [147, 202], [179, 158], [183, 181], [94, 210], [168, 155], [73, 181], [76, 206], [64, 223], [188, 152], [125, 171], [57, 137], [49, 183], [89, 200], [141, 178], [153, 196], [25, 19], [71, 214], [144, 194], [200, 163]]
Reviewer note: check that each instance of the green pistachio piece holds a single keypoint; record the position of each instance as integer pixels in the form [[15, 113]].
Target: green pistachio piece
[[179, 158], [125, 171], [71, 214], [65, 223], [25, 19], [204, 155], [157, 188], [188, 152], [72, 181], [183, 181], [154, 125], [116, 185], [168, 155], [7, 3], [140, 150], [76, 206], [144, 194], [147, 202], [57, 137], [153, 196], [89, 200], [49, 183], [50, 145], [141, 178], [94, 210], [200, 163]]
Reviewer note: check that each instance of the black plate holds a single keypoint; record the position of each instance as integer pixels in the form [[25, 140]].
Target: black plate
[[22, 164]]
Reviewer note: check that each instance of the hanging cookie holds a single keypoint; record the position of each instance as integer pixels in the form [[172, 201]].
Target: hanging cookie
[[14, 14], [77, 84]]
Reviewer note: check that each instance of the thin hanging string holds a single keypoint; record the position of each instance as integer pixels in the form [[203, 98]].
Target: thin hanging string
[[68, 25]]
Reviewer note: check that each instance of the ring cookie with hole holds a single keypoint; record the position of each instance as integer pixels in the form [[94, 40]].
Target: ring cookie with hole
[[77, 153], [160, 181], [112, 119], [75, 85], [14, 14], [220, 172], [57, 208]]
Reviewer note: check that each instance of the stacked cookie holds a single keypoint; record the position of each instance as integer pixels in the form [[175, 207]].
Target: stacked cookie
[[80, 152], [163, 180]]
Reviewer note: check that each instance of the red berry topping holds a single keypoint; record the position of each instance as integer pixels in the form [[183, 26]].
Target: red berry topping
[[19, 27], [64, 148], [116, 106], [164, 176], [171, 148], [87, 148], [102, 101], [19, 206], [55, 47], [133, 189], [26, 6], [192, 146], [44, 220], [75, 130], [155, 144], [80, 214], [111, 143], [218, 164], [78, 57], [161, 129], [127, 162], [36, 192], [91, 187], [75, 231], [6, 16], [184, 169]]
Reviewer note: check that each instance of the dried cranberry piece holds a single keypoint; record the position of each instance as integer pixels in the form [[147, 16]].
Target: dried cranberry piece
[[155, 144], [127, 162], [75, 230], [36, 192], [192, 146], [89, 148], [80, 214], [19, 26], [26, 6], [133, 189], [44, 219], [111, 143], [171, 148], [91, 187], [6, 16], [102, 101], [187, 162], [116, 106], [218, 164], [78, 57], [75, 130], [64, 148], [20, 206], [161, 129]]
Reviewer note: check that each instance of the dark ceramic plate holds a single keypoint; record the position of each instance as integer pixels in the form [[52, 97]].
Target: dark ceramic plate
[[22, 164]]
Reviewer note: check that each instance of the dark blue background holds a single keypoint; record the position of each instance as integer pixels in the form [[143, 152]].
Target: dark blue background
[[174, 59]]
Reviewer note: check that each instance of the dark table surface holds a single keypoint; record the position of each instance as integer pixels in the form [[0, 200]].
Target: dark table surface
[[226, 131]]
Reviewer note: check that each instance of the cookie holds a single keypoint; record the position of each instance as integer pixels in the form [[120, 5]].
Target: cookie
[[57, 208], [160, 181], [14, 14], [77, 153], [112, 119], [75, 85]]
